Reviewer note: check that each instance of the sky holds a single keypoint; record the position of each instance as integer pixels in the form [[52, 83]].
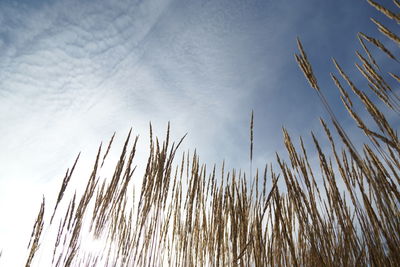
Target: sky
[[74, 72]]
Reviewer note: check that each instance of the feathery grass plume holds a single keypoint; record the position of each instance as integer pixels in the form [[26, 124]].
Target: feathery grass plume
[[388, 13], [64, 184], [378, 44], [33, 245], [108, 150], [388, 33], [370, 57], [378, 85], [305, 66]]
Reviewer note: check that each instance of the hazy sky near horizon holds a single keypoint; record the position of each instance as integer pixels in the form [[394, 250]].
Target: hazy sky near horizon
[[73, 72]]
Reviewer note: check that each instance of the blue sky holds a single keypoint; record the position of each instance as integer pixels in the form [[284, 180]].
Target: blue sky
[[73, 72]]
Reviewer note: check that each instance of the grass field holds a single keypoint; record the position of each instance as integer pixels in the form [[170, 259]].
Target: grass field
[[189, 214]]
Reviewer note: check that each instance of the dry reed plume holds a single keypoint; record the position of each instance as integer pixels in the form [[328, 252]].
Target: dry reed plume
[[191, 215]]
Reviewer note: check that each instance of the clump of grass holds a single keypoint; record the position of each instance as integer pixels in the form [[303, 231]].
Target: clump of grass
[[188, 215]]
